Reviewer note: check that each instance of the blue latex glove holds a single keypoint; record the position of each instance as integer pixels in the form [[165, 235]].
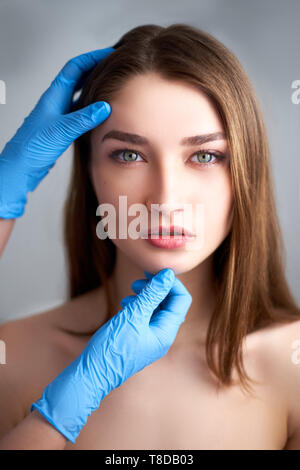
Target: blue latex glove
[[47, 132], [139, 334]]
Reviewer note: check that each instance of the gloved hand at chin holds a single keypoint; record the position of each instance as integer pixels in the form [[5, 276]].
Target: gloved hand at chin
[[137, 335]]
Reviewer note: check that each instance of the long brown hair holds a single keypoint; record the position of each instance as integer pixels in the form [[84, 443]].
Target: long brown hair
[[249, 264]]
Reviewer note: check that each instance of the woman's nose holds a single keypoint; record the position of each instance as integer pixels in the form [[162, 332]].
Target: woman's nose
[[166, 190]]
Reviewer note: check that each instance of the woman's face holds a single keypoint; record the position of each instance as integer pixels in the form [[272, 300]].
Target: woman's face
[[163, 171]]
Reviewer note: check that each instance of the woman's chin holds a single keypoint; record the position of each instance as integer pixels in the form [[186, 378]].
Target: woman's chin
[[154, 268], [154, 260]]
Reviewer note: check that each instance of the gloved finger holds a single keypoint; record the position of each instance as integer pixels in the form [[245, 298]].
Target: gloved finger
[[164, 302], [59, 94], [172, 312], [80, 83], [75, 97], [137, 285], [127, 300], [148, 275], [73, 106], [73, 125], [153, 293]]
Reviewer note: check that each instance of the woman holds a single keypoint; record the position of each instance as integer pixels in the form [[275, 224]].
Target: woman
[[227, 381]]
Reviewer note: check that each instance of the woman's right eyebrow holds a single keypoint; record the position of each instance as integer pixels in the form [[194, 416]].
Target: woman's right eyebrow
[[140, 140]]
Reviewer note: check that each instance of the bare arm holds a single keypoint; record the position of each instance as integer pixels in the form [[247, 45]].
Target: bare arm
[[33, 433], [18, 428], [6, 226], [290, 376]]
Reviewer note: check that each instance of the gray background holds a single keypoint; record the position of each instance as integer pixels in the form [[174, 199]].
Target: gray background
[[37, 37]]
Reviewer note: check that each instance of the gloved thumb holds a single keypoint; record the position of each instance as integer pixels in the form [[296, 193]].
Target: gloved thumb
[[74, 124]]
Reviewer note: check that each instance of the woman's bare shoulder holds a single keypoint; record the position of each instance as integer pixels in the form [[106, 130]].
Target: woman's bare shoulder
[[278, 360], [273, 345], [79, 315], [285, 367]]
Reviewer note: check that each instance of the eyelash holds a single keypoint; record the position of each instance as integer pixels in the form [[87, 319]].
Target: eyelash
[[219, 156]]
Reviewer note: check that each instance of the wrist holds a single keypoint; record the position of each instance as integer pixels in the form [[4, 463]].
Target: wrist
[[68, 401], [13, 193]]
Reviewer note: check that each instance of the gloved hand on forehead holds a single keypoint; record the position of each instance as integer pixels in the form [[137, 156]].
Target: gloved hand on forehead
[[47, 132]]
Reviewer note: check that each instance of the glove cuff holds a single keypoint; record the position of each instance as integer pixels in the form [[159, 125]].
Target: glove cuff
[[13, 193], [68, 401]]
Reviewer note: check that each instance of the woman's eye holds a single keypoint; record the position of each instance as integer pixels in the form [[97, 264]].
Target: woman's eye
[[131, 156], [126, 156], [204, 157], [207, 158]]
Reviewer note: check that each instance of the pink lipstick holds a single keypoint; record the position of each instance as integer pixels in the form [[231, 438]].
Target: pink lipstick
[[169, 238]]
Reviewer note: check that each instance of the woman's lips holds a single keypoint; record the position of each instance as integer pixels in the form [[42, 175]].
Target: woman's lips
[[168, 242], [168, 238], [174, 231]]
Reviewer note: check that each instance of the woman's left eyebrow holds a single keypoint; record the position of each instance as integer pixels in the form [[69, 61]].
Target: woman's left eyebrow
[[140, 140]]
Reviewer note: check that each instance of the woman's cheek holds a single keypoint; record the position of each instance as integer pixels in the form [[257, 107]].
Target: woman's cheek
[[218, 211], [104, 183]]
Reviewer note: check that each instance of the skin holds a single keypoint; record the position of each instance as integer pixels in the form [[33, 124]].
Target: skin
[[6, 226], [166, 172]]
